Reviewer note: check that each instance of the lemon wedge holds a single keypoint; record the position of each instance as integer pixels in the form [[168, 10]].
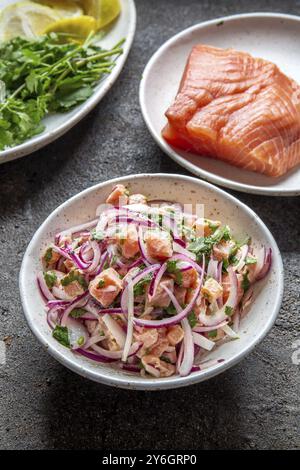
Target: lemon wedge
[[105, 11], [27, 19], [77, 28], [66, 8]]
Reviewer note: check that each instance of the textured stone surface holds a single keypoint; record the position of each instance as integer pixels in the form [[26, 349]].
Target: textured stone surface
[[43, 405]]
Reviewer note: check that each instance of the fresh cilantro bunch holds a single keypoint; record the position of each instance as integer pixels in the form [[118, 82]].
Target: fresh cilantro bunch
[[46, 75]]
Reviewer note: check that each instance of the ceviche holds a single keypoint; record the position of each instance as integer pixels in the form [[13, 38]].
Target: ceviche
[[149, 286]]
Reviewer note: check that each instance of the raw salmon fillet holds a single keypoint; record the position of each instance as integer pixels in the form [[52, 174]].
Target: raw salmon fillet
[[236, 108]]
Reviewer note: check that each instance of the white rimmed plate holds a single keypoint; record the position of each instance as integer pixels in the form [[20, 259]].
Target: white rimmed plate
[[185, 190], [275, 37], [58, 124]]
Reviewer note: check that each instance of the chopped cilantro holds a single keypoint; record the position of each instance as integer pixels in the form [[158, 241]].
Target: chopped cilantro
[[60, 333], [212, 334], [77, 312], [166, 359], [50, 278], [171, 310], [48, 255], [245, 282], [140, 287], [228, 310], [172, 268], [192, 319], [101, 283], [74, 276], [204, 245]]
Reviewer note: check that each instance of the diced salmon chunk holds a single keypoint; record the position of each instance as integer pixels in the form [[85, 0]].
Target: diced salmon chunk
[[212, 289], [158, 244], [118, 196], [175, 334], [164, 368], [128, 241], [106, 287], [205, 227], [189, 278], [73, 289], [161, 298], [223, 249], [50, 258]]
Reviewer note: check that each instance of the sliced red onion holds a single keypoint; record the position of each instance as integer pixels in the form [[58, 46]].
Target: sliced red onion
[[188, 349], [77, 332], [138, 277], [76, 259], [156, 279], [96, 258], [115, 329], [220, 316], [94, 357], [93, 340], [52, 316], [183, 251], [212, 268], [61, 294], [229, 331], [77, 228], [266, 265], [116, 355], [241, 263], [246, 301], [77, 302], [176, 318], [181, 257], [136, 263], [205, 329], [61, 251], [45, 291], [86, 252], [203, 342], [130, 313], [103, 260], [54, 303], [146, 258]]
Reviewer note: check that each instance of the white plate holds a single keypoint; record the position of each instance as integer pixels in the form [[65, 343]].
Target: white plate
[[275, 37], [185, 190], [58, 124]]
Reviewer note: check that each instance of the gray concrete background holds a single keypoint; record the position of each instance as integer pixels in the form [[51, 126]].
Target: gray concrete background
[[43, 405]]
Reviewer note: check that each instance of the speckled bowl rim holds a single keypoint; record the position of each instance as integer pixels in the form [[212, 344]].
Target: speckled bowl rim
[[137, 382]]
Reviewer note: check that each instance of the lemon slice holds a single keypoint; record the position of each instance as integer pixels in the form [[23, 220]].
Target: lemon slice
[[105, 11], [77, 28], [25, 19], [66, 8]]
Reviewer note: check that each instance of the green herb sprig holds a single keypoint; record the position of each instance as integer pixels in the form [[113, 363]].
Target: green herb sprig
[[46, 75]]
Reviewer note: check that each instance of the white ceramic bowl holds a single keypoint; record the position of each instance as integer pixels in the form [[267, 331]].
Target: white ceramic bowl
[[218, 204]]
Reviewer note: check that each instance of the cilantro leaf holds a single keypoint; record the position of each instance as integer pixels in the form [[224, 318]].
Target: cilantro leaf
[[50, 278], [192, 319], [60, 333]]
